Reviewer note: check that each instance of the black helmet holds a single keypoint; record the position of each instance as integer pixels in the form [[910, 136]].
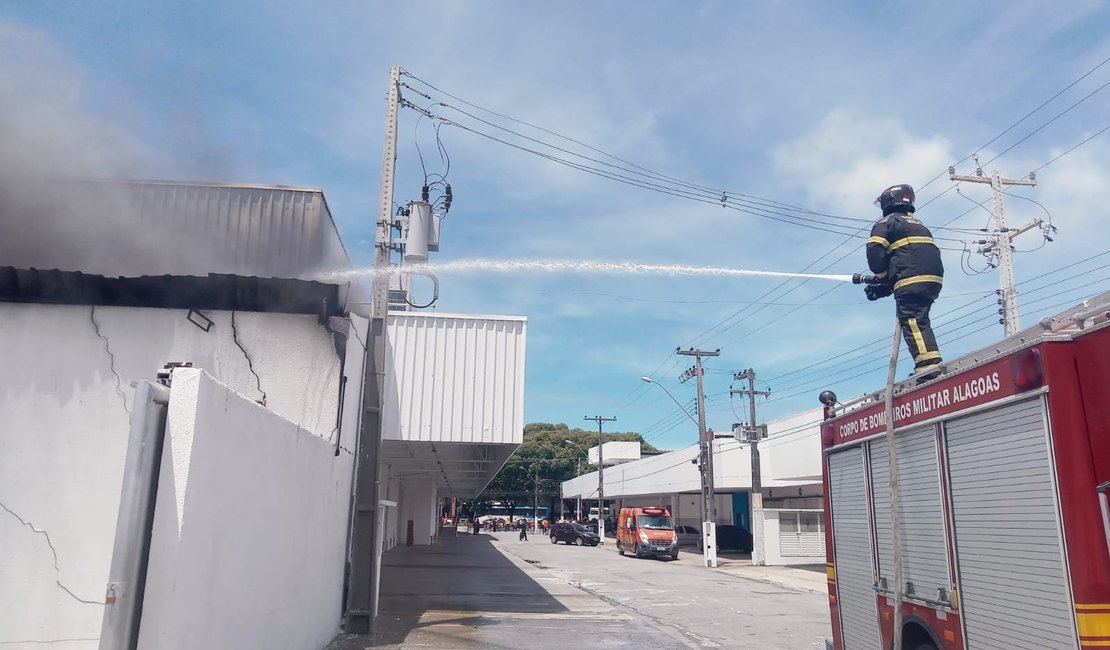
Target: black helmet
[[896, 198]]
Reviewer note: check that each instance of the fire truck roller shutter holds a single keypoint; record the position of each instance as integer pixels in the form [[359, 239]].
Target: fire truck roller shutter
[[924, 547], [1012, 586], [859, 615]]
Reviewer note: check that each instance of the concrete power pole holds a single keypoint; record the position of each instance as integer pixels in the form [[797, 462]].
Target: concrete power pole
[[759, 555], [600, 474], [705, 446], [365, 540], [1001, 237]]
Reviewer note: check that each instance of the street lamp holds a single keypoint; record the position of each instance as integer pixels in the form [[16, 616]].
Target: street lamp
[[709, 547], [649, 380]]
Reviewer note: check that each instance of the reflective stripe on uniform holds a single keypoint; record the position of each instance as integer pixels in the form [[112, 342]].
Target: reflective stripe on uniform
[[878, 240], [905, 241], [881, 276], [917, 338], [926, 356], [917, 279]]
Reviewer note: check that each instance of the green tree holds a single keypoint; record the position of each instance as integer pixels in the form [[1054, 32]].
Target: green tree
[[511, 485], [545, 454]]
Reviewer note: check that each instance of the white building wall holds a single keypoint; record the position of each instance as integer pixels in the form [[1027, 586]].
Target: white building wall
[[418, 506], [792, 450], [771, 552], [248, 547], [64, 419], [790, 463]]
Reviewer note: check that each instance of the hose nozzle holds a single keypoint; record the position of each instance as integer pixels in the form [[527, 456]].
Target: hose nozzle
[[862, 278]]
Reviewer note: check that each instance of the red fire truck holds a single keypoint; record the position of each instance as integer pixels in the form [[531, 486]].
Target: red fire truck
[[1003, 467]]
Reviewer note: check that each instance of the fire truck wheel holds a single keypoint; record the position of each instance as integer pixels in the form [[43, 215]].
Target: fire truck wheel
[[620, 551], [636, 548]]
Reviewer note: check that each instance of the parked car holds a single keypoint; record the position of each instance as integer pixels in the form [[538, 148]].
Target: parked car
[[687, 535], [731, 538], [573, 533]]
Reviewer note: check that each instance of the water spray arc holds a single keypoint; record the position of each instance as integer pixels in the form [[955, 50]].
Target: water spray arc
[[577, 266]]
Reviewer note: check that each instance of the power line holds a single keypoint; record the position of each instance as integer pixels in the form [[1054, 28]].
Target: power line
[[1019, 121], [1056, 117], [1073, 148], [714, 191], [684, 191]]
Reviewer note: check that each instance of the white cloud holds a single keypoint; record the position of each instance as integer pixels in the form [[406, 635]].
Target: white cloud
[[848, 158]]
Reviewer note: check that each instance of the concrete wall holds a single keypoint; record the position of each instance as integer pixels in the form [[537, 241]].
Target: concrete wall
[[248, 545], [65, 404], [687, 510]]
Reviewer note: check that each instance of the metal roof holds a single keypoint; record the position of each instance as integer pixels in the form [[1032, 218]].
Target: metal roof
[[137, 227]]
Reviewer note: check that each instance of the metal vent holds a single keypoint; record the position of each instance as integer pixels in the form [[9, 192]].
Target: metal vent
[[398, 298]]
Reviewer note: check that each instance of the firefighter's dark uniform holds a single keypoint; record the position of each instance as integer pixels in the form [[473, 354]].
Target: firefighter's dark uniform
[[902, 251]]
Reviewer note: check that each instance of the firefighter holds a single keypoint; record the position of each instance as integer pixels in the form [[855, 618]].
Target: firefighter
[[901, 252]]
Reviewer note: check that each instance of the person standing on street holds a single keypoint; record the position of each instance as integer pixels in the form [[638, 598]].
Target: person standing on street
[[523, 531], [901, 252]]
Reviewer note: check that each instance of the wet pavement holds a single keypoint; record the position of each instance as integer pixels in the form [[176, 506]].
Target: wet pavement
[[493, 591], [465, 592]]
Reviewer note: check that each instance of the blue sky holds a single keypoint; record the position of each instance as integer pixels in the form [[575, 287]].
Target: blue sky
[[815, 105]]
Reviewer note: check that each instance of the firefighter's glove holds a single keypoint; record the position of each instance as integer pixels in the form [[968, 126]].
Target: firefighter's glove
[[876, 291]]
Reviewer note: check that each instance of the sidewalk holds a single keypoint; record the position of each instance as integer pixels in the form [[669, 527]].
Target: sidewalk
[[808, 577], [462, 592]]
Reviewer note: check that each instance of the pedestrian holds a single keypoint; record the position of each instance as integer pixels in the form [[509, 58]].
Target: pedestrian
[[902, 254], [523, 531]]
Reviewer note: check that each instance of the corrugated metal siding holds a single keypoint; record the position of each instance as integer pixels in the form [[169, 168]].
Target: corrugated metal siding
[[924, 547], [1012, 586], [859, 614], [455, 378], [271, 232], [134, 228]]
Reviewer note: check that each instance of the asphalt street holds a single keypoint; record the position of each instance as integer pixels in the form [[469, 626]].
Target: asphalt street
[[708, 607]]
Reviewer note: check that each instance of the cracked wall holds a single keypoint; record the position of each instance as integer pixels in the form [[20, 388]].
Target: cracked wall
[[64, 428]]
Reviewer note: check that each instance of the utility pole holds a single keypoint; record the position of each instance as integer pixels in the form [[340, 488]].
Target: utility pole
[[600, 473], [365, 549], [759, 556], [578, 508], [1000, 240], [708, 492]]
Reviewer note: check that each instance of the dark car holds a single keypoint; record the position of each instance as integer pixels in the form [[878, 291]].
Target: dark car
[[572, 533], [731, 538]]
